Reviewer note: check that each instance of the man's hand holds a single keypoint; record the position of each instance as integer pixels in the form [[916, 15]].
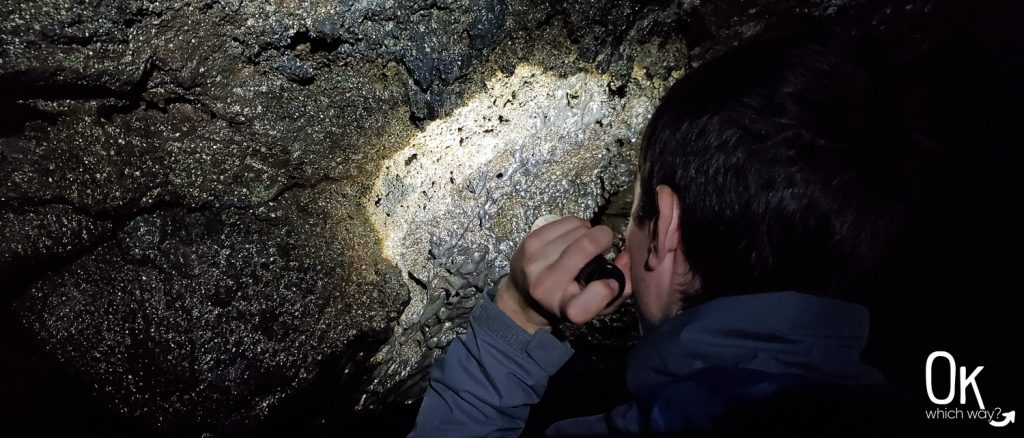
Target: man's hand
[[541, 289]]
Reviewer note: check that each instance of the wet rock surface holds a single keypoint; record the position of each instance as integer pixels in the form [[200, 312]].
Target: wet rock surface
[[209, 206]]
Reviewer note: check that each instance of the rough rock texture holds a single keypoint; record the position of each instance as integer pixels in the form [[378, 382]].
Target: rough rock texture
[[468, 187], [201, 201]]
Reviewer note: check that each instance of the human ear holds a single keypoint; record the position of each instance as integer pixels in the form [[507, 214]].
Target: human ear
[[665, 227]]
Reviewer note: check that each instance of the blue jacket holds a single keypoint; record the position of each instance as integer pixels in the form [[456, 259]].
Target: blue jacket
[[683, 375]]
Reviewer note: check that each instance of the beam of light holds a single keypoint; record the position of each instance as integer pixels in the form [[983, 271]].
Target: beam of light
[[450, 207]]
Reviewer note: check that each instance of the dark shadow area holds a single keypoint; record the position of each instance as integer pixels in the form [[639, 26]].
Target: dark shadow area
[[951, 286], [17, 88], [42, 398], [592, 382], [326, 405]]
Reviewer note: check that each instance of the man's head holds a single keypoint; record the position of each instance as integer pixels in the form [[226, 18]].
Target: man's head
[[776, 166]]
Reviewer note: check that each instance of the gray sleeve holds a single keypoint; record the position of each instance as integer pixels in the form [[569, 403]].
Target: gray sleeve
[[485, 382]]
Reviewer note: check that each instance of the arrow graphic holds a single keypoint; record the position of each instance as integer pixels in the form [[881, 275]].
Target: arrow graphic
[[1008, 417]]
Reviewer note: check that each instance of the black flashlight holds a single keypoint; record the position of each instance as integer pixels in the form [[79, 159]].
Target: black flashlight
[[600, 268]]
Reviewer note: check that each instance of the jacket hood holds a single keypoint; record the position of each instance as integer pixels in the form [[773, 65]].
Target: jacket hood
[[778, 332]]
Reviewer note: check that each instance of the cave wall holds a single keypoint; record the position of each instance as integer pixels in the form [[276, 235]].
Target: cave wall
[[208, 206]]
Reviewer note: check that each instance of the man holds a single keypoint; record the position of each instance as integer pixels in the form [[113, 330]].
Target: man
[[771, 183]]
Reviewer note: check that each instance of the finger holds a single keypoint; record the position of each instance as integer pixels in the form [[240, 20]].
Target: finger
[[563, 271], [554, 229], [531, 254], [590, 302], [547, 255], [553, 300]]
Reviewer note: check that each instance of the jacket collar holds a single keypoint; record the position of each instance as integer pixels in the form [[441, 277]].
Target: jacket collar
[[778, 332]]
